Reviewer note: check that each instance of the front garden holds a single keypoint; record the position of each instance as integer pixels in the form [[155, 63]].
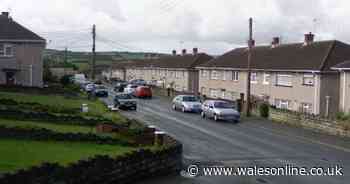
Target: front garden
[[48, 129]]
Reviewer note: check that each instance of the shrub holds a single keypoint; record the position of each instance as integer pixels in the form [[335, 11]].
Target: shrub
[[65, 80], [264, 110], [342, 116]]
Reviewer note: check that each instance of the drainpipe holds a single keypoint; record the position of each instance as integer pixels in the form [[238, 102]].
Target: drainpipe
[[344, 91], [31, 75], [327, 106], [316, 94]]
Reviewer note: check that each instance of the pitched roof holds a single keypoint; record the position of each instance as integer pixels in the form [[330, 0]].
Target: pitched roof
[[318, 56], [186, 61], [342, 66], [12, 31]]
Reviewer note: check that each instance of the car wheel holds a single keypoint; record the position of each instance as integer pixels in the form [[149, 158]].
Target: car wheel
[[203, 115], [183, 109], [216, 117]]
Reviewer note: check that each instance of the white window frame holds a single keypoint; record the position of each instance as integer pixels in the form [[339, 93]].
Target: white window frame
[[307, 107], [235, 76], [290, 84], [282, 104], [309, 76], [214, 77], [204, 74], [3, 52], [254, 80], [267, 76], [214, 93]]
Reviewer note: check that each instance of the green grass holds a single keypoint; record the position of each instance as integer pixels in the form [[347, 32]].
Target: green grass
[[22, 154], [62, 128], [96, 108]]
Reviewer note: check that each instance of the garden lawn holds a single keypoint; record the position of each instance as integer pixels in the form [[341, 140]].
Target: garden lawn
[[95, 107], [22, 154], [62, 128]]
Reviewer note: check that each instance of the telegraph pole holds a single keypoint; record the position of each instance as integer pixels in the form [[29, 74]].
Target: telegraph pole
[[93, 52], [250, 46], [66, 55]]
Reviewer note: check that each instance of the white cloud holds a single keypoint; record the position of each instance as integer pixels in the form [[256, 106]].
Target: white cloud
[[160, 25]]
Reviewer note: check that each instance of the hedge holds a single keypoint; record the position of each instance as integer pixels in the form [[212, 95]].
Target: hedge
[[48, 135]]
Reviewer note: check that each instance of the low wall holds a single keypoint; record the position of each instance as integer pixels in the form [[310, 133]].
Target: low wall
[[130, 168], [311, 122]]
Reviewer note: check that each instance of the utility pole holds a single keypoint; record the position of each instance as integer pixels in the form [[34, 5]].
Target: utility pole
[[93, 52], [66, 55], [250, 46]]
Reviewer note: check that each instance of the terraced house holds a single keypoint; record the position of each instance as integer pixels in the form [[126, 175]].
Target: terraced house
[[175, 70], [21, 54], [344, 69], [295, 76]]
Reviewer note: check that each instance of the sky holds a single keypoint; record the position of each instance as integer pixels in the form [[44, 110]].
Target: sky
[[214, 27]]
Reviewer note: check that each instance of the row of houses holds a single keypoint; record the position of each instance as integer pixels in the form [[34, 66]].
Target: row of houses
[[312, 76]]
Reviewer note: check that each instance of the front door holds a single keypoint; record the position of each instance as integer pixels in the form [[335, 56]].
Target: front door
[[10, 78]]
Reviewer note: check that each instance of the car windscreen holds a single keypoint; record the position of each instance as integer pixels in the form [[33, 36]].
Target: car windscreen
[[190, 99], [123, 97], [223, 105]]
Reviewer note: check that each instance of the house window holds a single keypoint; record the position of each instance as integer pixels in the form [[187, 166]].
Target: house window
[[214, 75], [282, 104], [266, 79], [254, 77], [306, 108], [223, 93], [204, 74], [214, 93], [203, 91], [308, 79], [6, 50], [284, 80], [235, 75]]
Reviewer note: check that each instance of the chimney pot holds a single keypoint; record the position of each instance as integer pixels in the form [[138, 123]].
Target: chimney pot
[[184, 51], [275, 42], [195, 51], [6, 14], [309, 38]]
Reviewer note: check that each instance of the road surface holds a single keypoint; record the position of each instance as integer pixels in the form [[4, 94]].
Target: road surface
[[254, 142]]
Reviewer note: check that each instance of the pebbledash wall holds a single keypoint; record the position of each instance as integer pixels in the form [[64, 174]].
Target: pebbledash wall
[[130, 168], [307, 121]]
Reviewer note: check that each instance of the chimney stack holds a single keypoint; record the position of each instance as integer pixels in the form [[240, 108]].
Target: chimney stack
[[309, 38], [275, 42], [184, 52], [5, 14], [174, 52], [195, 51]]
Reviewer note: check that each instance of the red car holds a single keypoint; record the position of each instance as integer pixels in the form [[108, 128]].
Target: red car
[[143, 92]]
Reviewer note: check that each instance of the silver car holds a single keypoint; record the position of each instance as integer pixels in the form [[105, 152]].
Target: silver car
[[220, 110], [187, 103]]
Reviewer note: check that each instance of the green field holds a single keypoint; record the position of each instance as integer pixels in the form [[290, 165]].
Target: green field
[[21, 154], [62, 128], [96, 108]]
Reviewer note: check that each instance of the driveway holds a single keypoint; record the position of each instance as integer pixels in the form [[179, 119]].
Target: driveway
[[254, 142]]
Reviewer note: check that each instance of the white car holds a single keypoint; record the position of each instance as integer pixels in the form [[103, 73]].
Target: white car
[[130, 89], [187, 103], [89, 87]]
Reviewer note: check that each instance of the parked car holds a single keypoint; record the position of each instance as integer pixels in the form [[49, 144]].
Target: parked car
[[119, 87], [220, 110], [89, 87], [139, 82], [187, 103], [130, 89], [100, 91], [143, 92], [124, 101]]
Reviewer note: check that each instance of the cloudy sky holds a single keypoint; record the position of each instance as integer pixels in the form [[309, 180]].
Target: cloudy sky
[[214, 26]]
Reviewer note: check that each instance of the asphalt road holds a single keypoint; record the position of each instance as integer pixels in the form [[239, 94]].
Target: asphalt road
[[254, 142]]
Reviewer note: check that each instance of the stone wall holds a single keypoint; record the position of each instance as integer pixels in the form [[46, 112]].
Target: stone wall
[[311, 122], [130, 168]]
